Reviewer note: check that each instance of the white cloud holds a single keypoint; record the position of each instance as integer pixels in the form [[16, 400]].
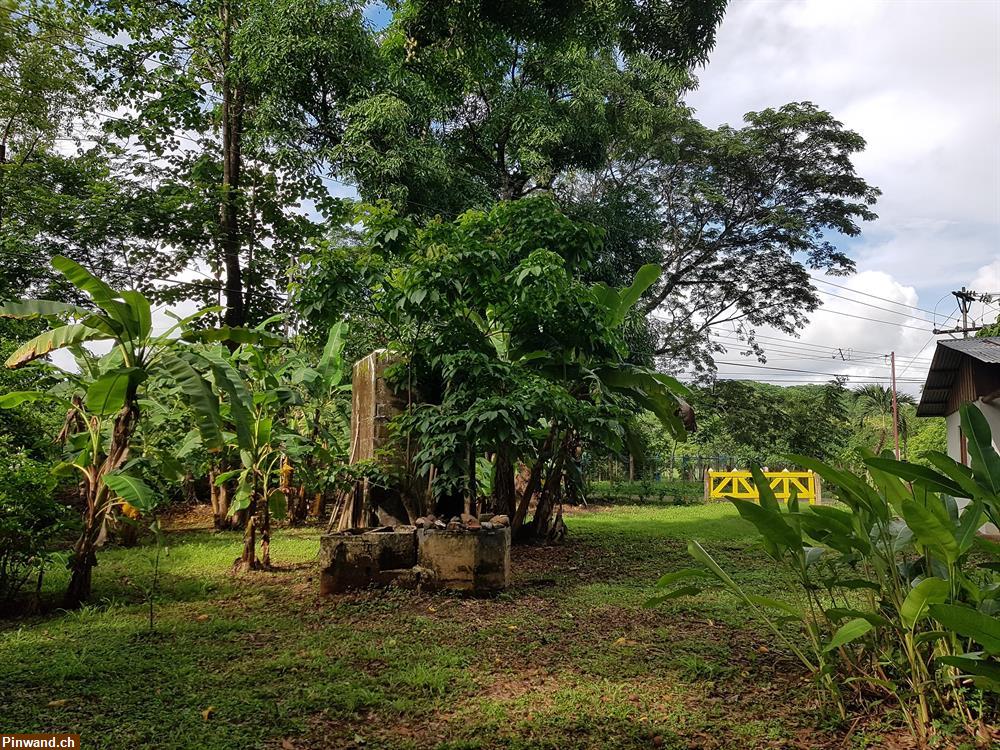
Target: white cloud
[[920, 80]]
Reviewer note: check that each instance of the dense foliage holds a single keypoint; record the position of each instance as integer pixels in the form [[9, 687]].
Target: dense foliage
[[744, 422], [31, 517], [891, 599]]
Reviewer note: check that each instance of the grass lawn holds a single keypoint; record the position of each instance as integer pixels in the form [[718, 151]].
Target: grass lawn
[[568, 658]]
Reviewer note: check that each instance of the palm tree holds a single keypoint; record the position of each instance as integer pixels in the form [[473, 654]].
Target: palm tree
[[874, 403]]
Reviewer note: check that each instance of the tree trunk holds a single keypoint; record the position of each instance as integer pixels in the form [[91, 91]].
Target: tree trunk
[[84, 556], [233, 101], [503, 483], [265, 537], [551, 492], [248, 559], [319, 503], [472, 503], [298, 507], [533, 481], [220, 503], [189, 488]]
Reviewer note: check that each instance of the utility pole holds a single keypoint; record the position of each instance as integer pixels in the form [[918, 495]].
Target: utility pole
[[965, 299], [895, 406]]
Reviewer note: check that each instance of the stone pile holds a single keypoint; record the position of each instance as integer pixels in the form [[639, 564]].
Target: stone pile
[[464, 522]]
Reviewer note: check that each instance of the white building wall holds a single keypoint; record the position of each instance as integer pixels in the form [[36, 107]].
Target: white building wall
[[953, 424]]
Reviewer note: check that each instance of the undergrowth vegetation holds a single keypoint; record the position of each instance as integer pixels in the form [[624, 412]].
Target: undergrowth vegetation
[[892, 598]]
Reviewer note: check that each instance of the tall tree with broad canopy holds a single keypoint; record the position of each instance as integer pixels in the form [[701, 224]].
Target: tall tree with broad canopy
[[481, 101], [738, 217], [197, 95]]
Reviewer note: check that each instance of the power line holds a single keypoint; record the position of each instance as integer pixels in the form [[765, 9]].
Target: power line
[[781, 369], [792, 346], [868, 294], [869, 304], [872, 320]]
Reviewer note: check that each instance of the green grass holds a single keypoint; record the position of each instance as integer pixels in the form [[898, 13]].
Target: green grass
[[568, 658]]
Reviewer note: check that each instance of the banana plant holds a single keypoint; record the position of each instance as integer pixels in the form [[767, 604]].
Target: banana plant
[[106, 408], [322, 419], [251, 409]]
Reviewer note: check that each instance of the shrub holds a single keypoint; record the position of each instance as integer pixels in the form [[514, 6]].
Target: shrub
[[894, 602], [674, 492], [30, 517]]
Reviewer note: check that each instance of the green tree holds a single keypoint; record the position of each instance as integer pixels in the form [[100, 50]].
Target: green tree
[[873, 407], [476, 102], [737, 217], [513, 356], [196, 96]]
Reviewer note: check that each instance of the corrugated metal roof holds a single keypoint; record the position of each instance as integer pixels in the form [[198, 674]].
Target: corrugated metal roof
[[944, 368], [986, 349]]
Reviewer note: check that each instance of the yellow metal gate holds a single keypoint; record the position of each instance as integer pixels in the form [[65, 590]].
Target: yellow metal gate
[[720, 485]]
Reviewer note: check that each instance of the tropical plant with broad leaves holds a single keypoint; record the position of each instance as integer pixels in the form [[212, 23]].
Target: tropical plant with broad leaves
[[251, 398], [318, 446], [104, 405], [899, 595]]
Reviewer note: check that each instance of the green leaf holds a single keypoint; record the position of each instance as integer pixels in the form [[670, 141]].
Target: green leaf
[[698, 553], [645, 277], [607, 298], [960, 474], [16, 398], [836, 614], [199, 397], [972, 518], [241, 500], [915, 473], [679, 575], [331, 362], [133, 490], [985, 673], [930, 530], [141, 312], [108, 394], [41, 308], [56, 338], [915, 607], [103, 295], [764, 491], [978, 438], [277, 504], [654, 601], [788, 609], [848, 632], [981, 628], [769, 523], [229, 381], [83, 279], [225, 476]]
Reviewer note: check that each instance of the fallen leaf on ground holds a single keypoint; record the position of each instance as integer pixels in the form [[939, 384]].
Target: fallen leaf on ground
[[207, 713], [58, 703]]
